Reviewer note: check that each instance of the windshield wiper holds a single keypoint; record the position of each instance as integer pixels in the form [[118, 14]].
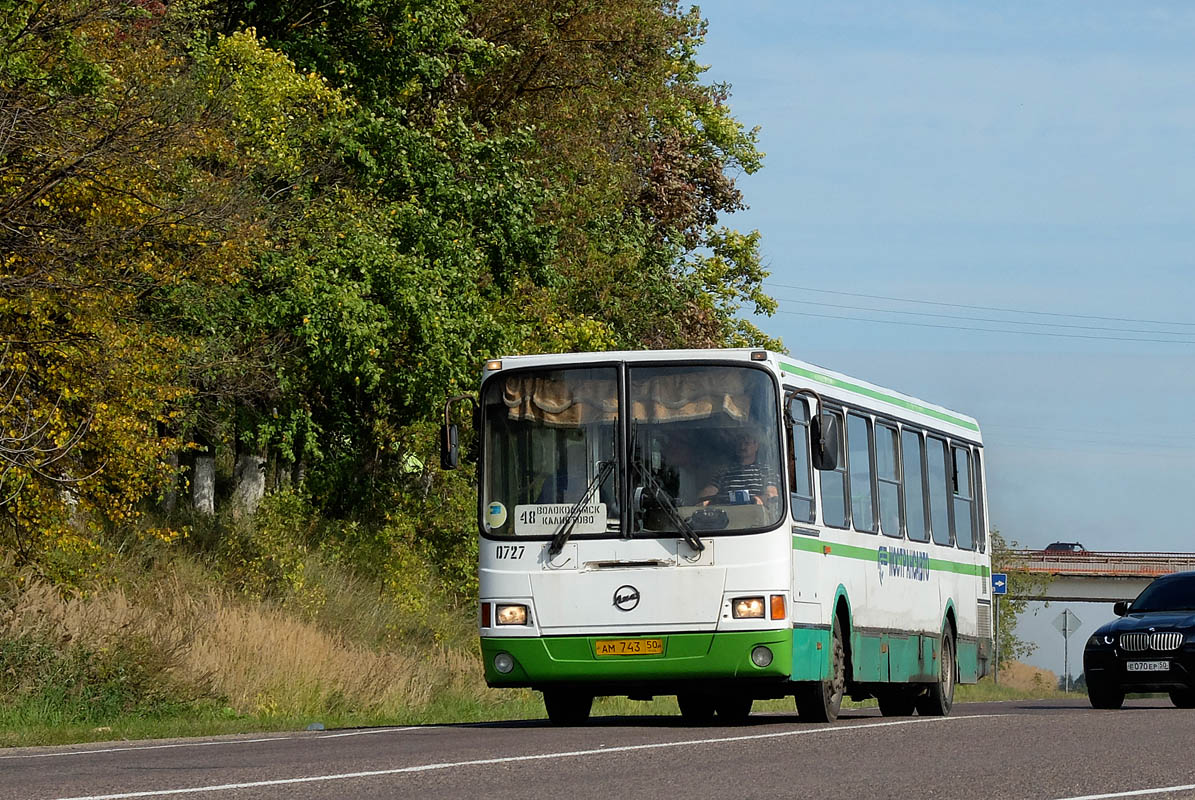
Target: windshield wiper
[[570, 519], [661, 496]]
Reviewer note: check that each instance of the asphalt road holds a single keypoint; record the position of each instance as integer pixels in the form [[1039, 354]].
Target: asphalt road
[[1038, 749]]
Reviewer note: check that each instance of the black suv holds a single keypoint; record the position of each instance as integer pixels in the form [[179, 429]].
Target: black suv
[[1151, 648]]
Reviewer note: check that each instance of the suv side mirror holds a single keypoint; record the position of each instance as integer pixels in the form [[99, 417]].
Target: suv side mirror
[[825, 438], [1121, 607]]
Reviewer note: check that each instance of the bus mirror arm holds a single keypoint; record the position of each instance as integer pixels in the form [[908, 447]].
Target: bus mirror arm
[[450, 454]]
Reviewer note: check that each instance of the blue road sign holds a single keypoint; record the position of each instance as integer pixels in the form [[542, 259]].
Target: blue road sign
[[999, 583]]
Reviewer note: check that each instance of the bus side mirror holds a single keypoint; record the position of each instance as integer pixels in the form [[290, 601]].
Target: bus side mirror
[[450, 451], [824, 437], [1121, 608]]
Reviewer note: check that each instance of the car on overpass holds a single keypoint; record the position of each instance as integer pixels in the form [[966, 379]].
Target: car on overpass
[[1065, 547], [1150, 648]]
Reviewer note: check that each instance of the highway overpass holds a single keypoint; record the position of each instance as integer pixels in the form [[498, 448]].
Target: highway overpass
[[1096, 577]]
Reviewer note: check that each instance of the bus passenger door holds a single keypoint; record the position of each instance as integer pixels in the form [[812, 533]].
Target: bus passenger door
[[806, 544]]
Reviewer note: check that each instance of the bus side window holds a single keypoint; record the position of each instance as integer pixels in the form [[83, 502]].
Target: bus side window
[[800, 481], [964, 496], [981, 525], [834, 508], [912, 449], [939, 505], [858, 440], [888, 477]]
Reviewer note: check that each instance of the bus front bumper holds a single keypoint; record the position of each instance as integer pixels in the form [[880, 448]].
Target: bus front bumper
[[553, 660]]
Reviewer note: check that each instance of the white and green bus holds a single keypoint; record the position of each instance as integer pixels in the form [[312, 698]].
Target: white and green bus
[[725, 526]]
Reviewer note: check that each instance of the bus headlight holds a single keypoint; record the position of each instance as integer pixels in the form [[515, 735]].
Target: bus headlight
[[511, 615], [747, 607]]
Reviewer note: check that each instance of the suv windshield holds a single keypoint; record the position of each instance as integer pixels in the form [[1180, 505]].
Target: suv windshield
[[701, 451], [1174, 593]]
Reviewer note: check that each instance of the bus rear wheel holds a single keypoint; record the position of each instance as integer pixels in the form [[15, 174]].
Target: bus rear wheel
[[939, 697], [567, 708], [696, 708], [821, 701], [897, 701]]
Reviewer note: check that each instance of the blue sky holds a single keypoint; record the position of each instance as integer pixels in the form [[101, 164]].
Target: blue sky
[[1035, 157]]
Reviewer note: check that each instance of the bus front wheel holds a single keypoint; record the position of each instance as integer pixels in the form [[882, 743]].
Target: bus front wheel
[[567, 708], [733, 709], [821, 701], [696, 708]]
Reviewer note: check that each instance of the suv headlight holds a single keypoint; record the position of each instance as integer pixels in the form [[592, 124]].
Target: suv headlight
[[1102, 640]]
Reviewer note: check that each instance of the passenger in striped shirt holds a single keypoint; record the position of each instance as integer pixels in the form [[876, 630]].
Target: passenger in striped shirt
[[745, 473]]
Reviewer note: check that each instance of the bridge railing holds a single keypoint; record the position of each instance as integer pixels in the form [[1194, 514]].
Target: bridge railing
[[1128, 564]]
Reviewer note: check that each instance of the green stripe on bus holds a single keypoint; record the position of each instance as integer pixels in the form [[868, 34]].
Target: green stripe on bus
[[542, 660], [875, 395], [869, 554]]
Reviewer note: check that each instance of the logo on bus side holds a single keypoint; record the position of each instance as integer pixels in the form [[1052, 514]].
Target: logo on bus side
[[626, 598], [901, 563]]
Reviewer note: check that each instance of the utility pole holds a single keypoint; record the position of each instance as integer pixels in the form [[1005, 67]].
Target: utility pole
[[996, 638]]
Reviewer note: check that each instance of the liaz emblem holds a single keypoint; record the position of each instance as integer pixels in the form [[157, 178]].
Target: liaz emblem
[[626, 598]]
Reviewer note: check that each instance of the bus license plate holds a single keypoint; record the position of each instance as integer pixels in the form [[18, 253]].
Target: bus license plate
[[630, 647], [1147, 666]]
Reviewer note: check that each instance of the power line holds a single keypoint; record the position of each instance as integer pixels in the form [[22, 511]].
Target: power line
[[980, 308], [987, 330], [988, 319]]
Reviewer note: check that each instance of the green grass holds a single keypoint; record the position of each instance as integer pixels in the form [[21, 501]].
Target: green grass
[[47, 720]]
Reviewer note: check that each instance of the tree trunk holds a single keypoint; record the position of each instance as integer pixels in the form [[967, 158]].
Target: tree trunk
[[170, 496], [250, 478], [203, 483]]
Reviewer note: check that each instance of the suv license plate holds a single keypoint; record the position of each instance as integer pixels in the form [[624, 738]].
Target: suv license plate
[[1147, 666]]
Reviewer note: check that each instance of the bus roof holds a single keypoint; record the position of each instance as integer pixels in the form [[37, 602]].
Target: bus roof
[[826, 382]]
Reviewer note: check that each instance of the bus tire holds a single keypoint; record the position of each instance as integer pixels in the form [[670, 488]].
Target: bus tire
[[733, 709], [567, 708], [820, 701], [897, 701], [939, 696], [696, 708]]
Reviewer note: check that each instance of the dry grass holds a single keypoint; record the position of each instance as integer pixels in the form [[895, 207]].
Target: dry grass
[[256, 658], [1023, 677]]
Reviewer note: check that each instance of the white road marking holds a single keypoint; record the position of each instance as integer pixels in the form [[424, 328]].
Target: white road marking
[[1133, 793], [204, 744], [369, 732], [225, 787], [145, 747]]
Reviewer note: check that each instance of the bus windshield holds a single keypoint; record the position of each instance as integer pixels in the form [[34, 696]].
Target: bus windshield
[[700, 448]]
